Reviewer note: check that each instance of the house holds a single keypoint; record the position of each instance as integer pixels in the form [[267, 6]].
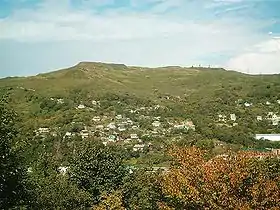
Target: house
[[269, 137], [68, 134], [276, 151], [246, 104], [94, 103], [278, 101], [121, 127], [112, 138], [157, 118], [100, 127], [133, 136], [135, 127], [267, 103], [259, 118], [222, 118], [160, 169], [84, 134], [138, 147], [96, 119], [181, 126], [81, 106], [156, 123], [154, 132], [43, 130], [275, 122], [157, 107], [111, 126], [60, 101], [190, 125], [233, 117], [63, 170], [126, 141], [275, 119], [129, 121], [29, 170], [119, 117], [269, 115]]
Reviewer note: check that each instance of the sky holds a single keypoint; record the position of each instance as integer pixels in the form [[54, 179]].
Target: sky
[[43, 35]]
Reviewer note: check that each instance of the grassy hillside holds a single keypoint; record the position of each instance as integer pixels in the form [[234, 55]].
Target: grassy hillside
[[196, 94]]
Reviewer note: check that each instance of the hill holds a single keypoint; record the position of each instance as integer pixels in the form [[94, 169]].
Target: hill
[[67, 100]]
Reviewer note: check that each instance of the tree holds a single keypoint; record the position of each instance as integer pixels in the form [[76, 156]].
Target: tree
[[245, 180], [141, 191], [11, 172], [97, 169], [51, 189], [111, 201]]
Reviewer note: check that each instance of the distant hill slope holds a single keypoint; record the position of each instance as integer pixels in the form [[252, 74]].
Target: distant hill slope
[[200, 93]]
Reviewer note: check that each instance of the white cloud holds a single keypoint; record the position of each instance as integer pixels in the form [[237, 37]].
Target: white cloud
[[66, 36], [262, 58]]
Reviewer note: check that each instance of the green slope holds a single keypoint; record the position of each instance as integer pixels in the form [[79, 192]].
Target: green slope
[[197, 93]]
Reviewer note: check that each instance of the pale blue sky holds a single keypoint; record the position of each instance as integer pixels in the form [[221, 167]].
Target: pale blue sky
[[43, 35]]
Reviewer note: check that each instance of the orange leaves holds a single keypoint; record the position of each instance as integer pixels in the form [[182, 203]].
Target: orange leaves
[[234, 181]]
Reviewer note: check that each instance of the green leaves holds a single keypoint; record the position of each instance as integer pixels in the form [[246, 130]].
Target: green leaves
[[11, 171], [96, 168]]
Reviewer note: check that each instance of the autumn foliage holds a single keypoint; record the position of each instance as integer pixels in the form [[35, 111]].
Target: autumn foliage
[[245, 180]]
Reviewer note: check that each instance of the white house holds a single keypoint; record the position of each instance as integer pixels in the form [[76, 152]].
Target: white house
[[112, 138], [247, 104], [135, 127], [121, 127], [180, 126], [111, 126], [100, 127], [275, 119], [84, 134], [269, 137], [81, 106], [278, 101], [157, 107], [157, 118], [259, 118], [233, 117], [119, 117], [94, 103], [133, 136], [156, 123], [63, 170], [43, 130], [129, 121], [269, 115], [222, 118], [96, 119], [29, 170], [60, 101], [138, 147], [268, 103], [68, 134], [190, 125]]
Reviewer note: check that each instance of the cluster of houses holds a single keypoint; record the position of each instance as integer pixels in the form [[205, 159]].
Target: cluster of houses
[[248, 104], [271, 116], [120, 129], [58, 100]]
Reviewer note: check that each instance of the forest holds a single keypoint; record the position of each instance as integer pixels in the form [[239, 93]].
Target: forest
[[98, 177], [103, 136]]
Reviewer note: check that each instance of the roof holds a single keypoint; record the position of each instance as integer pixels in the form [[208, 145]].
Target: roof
[[270, 137]]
